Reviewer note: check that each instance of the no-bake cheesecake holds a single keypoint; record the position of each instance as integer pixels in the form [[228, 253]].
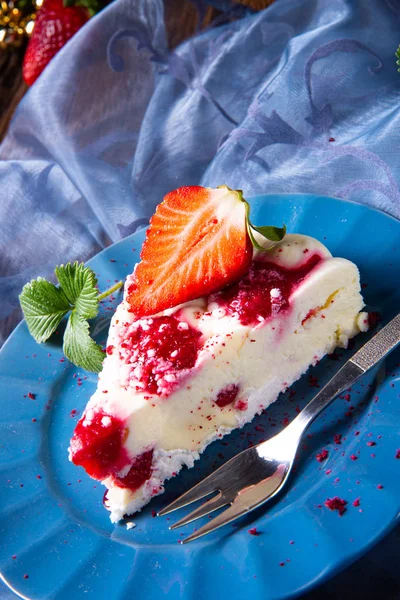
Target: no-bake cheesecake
[[184, 368]]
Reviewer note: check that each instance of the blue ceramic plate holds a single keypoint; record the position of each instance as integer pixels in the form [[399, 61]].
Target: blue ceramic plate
[[56, 538]]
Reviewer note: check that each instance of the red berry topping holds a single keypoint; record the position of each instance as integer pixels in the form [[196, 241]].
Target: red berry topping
[[264, 291], [227, 395], [139, 472], [97, 444], [158, 349]]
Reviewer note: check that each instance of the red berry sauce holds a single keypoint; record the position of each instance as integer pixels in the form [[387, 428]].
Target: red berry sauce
[[227, 395], [251, 299], [98, 447], [139, 472], [157, 349]]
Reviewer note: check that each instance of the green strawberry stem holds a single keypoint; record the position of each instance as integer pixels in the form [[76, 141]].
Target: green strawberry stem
[[110, 290], [269, 232]]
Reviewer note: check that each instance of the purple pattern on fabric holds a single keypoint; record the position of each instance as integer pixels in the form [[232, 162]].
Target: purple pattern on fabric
[[143, 38], [391, 190], [322, 118], [275, 130], [188, 72]]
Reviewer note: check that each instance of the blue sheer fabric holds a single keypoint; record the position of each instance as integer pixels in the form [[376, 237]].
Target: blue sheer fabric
[[116, 121], [301, 97]]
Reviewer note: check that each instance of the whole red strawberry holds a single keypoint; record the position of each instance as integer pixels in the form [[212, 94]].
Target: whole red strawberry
[[55, 24]]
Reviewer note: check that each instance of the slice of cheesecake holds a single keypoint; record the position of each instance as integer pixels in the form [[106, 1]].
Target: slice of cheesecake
[[174, 381]]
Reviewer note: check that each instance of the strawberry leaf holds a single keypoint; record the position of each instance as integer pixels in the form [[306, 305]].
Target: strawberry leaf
[[43, 305], [79, 347], [79, 285], [274, 234], [269, 232]]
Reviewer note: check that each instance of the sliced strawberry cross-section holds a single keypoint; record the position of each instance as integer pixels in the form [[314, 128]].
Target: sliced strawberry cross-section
[[197, 243]]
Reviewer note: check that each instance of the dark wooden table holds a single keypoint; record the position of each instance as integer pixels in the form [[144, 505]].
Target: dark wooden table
[[182, 21]]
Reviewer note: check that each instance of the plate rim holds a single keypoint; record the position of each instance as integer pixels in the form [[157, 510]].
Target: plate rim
[[341, 564]]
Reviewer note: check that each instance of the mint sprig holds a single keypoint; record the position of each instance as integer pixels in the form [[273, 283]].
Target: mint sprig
[[398, 56], [44, 305], [79, 285], [79, 347]]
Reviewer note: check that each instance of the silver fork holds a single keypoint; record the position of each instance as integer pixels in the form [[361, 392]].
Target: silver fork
[[258, 474]]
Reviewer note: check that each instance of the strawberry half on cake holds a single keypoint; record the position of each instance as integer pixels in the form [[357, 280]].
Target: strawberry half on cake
[[215, 323]]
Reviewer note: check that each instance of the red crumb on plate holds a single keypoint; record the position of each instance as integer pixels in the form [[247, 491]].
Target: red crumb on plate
[[336, 503], [323, 455]]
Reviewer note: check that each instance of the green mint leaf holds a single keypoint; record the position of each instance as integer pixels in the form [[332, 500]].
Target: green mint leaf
[[43, 305], [398, 56], [274, 234], [79, 285], [79, 347]]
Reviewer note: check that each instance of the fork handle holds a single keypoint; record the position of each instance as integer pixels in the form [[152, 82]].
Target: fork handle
[[368, 356]]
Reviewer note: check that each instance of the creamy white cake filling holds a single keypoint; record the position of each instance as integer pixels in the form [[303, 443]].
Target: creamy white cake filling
[[263, 360]]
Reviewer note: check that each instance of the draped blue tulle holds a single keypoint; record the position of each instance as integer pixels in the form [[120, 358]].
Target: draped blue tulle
[[301, 97]]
